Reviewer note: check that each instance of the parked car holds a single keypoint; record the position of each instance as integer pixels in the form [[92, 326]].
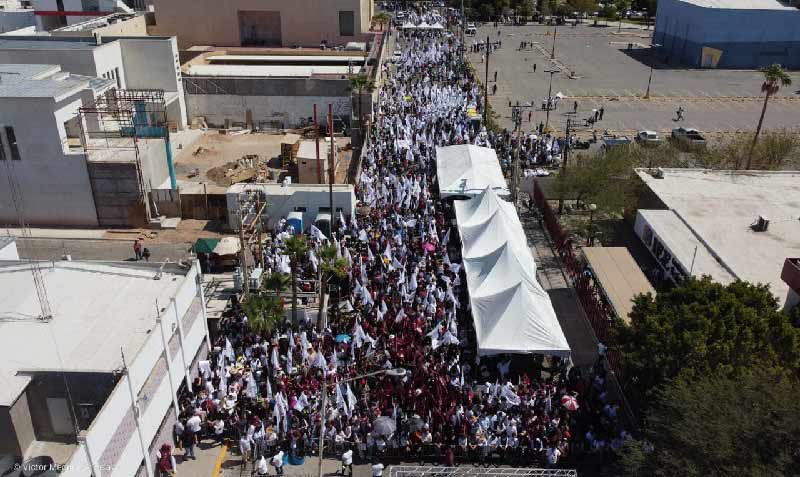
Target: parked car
[[688, 137], [613, 141], [397, 56], [648, 138]]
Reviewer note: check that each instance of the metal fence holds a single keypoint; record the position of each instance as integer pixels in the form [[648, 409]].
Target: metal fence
[[597, 308], [426, 471]]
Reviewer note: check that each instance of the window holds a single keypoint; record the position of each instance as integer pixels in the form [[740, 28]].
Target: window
[[116, 77], [347, 24], [12, 143]]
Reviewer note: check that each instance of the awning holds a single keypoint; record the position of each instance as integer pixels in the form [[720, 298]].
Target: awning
[[228, 246], [205, 245], [467, 170], [619, 276]]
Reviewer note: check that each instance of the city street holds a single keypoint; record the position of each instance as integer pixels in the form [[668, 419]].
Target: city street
[[595, 68]]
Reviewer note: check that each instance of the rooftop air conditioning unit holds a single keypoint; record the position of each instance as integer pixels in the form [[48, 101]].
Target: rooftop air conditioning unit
[[658, 173]]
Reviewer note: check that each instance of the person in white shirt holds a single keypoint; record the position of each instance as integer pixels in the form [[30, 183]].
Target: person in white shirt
[[377, 470], [219, 430], [552, 456], [262, 469], [347, 463], [245, 446], [277, 462]]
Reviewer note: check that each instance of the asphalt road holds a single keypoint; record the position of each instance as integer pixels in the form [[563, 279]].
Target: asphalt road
[[82, 249], [595, 68]]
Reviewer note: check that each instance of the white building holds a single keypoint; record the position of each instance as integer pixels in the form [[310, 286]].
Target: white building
[[68, 170], [14, 17], [52, 14], [65, 375], [727, 224], [60, 178], [310, 199], [145, 62]]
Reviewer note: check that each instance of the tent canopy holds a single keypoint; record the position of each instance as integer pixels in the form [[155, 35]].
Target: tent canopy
[[512, 312], [205, 245], [467, 170]]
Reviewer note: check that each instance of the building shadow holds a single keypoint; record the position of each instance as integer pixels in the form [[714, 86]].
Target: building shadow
[[655, 58]]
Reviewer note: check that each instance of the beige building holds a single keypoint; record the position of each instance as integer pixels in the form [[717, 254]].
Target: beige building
[[309, 170], [263, 22]]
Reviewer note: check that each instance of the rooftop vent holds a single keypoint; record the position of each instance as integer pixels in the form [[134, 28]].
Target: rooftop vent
[[658, 173], [760, 225]]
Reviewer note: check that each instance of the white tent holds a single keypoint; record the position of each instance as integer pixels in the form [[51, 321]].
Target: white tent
[[512, 312], [466, 170]]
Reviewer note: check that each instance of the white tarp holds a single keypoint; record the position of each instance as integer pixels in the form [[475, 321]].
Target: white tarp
[[512, 312], [467, 170]]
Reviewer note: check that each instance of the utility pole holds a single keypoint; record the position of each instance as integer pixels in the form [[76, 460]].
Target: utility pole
[[650, 79], [463, 30], [243, 251], [549, 97], [331, 167], [516, 116], [555, 32], [564, 164], [316, 137], [489, 44]]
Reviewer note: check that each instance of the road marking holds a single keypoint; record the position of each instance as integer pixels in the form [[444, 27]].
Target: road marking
[[220, 459]]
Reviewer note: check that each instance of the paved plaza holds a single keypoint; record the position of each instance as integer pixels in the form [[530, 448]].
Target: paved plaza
[[595, 68]]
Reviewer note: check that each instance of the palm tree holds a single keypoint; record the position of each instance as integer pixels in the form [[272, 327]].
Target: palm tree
[[361, 84], [277, 281], [381, 19], [774, 78], [296, 247], [331, 267]]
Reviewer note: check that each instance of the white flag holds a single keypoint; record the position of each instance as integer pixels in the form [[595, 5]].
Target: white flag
[[351, 399]]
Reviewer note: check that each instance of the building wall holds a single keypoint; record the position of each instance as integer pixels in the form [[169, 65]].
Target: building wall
[[79, 62], [118, 195], [108, 58], [113, 439], [302, 22], [23, 425], [11, 20], [281, 111], [280, 205], [136, 26], [54, 185], [140, 55], [747, 38]]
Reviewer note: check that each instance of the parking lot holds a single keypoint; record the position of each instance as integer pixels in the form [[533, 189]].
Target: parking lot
[[597, 66]]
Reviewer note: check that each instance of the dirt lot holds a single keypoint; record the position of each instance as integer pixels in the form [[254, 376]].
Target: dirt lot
[[214, 150]]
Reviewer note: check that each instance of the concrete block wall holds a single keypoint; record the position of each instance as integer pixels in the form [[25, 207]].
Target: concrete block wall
[[285, 111], [117, 193]]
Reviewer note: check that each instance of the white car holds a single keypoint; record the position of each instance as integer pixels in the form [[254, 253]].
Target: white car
[[397, 56], [648, 138]]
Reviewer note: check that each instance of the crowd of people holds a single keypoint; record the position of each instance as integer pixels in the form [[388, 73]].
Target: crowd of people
[[396, 362]]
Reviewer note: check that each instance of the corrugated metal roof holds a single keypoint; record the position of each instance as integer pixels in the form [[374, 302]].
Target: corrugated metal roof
[[742, 4]]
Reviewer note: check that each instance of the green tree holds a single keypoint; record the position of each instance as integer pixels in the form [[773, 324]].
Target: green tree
[[262, 313], [713, 425], [296, 247], [583, 6], [278, 282], [360, 84], [605, 180], [331, 267], [381, 18], [702, 328], [774, 78]]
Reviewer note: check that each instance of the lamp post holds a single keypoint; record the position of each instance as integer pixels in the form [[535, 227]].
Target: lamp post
[[489, 45], [516, 116], [590, 235], [650, 79], [396, 372], [549, 96], [555, 32]]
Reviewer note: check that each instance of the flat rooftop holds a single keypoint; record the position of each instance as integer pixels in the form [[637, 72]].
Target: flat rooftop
[[277, 71], [743, 4], [45, 81], [718, 207], [98, 308], [279, 189], [312, 59]]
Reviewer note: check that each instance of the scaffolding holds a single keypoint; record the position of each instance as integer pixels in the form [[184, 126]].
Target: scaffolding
[[118, 119]]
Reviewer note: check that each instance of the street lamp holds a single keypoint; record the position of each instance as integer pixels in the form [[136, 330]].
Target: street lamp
[[549, 96], [590, 235], [650, 79], [394, 372]]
